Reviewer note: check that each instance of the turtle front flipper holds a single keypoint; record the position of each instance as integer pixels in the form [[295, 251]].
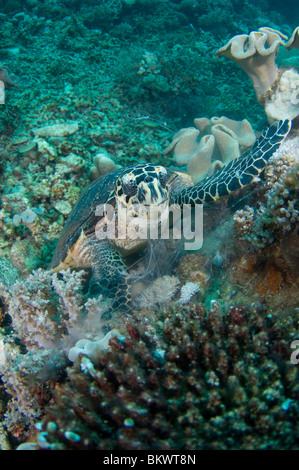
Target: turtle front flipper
[[239, 172], [110, 276]]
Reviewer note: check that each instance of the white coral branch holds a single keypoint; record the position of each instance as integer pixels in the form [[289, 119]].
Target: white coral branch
[[187, 292]]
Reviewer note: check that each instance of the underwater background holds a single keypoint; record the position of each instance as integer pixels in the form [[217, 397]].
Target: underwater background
[[207, 359]]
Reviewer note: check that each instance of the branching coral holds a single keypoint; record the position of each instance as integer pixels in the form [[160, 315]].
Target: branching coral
[[49, 315], [32, 306], [187, 379]]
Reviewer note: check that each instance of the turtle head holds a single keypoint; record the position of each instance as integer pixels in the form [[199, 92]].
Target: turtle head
[[143, 185]]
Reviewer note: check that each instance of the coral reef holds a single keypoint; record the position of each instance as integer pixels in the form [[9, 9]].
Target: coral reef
[[90, 86], [182, 379]]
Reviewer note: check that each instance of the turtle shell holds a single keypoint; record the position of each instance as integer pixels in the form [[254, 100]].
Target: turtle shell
[[82, 217], [82, 220]]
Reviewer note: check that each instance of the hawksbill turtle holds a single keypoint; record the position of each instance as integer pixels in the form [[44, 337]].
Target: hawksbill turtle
[[146, 184]]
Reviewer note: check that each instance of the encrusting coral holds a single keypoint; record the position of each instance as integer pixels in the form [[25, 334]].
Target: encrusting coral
[[283, 102], [256, 53], [213, 143]]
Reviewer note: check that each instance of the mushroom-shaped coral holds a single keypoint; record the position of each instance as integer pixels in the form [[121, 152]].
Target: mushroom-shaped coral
[[191, 151], [230, 136], [276, 89], [255, 54], [214, 143], [283, 102], [293, 42]]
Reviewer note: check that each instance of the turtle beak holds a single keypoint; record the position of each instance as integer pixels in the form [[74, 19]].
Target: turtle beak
[[161, 201]]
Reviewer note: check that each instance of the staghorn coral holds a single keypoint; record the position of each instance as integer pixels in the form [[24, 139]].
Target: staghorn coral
[[191, 379], [213, 143]]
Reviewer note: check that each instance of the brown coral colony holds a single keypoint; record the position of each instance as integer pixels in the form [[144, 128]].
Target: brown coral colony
[[203, 358]]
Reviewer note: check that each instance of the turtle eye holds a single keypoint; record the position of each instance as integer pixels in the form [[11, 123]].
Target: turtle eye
[[130, 188], [163, 179]]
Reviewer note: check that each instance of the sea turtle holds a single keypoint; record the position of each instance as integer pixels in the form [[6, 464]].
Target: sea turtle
[[144, 185]]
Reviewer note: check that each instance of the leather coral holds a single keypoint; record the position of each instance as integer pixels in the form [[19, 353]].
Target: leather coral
[[212, 143], [256, 54]]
